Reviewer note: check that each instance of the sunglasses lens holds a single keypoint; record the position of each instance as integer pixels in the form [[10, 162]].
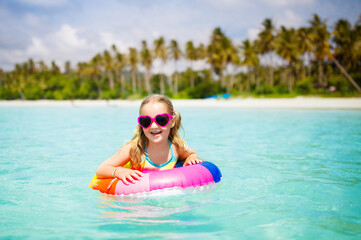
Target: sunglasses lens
[[145, 121], [162, 120]]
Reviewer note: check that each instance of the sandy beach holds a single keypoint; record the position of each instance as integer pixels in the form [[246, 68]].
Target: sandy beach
[[246, 103]]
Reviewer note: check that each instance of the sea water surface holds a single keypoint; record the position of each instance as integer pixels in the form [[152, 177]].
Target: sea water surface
[[287, 174]]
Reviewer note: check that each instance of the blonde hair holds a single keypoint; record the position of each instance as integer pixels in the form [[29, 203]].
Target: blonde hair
[[140, 141]]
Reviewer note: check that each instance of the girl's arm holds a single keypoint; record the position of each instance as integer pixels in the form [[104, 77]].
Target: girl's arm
[[112, 167], [189, 156]]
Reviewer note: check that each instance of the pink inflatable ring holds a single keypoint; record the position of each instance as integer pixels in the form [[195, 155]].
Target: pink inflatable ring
[[197, 175]]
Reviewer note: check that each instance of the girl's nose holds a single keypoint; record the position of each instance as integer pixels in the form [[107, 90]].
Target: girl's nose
[[153, 126]]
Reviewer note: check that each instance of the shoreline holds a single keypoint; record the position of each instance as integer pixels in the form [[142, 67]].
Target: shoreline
[[245, 103]]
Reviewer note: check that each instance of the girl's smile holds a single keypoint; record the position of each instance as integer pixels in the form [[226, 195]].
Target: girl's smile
[[156, 133]]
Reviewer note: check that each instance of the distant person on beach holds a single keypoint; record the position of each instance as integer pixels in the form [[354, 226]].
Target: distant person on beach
[[156, 144]]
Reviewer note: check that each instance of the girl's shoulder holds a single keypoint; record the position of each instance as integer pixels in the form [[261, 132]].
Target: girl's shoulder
[[181, 146], [126, 147], [179, 149]]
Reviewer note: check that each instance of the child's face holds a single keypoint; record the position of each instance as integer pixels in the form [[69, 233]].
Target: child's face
[[156, 133]]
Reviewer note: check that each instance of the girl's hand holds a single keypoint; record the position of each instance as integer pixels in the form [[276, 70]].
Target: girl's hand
[[128, 175], [192, 159]]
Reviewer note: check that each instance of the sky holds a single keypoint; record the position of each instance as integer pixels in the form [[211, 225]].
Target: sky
[[76, 30]]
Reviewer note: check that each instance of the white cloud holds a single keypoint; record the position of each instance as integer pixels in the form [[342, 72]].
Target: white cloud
[[108, 39], [67, 38], [66, 44], [44, 3], [289, 19], [228, 4], [252, 33], [37, 48], [283, 3]]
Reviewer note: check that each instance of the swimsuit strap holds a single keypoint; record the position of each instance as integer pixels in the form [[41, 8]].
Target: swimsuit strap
[[161, 165]]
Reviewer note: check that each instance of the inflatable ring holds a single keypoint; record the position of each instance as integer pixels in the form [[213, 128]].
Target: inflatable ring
[[201, 174]]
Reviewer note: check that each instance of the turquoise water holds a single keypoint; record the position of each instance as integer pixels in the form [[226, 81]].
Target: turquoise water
[[287, 174]]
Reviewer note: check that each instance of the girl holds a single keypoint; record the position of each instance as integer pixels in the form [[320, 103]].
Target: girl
[[156, 144]]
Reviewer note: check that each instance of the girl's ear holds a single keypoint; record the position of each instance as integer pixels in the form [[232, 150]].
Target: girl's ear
[[173, 121]]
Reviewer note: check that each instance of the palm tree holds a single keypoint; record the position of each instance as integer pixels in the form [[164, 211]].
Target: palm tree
[[2, 76], [175, 55], [108, 66], [68, 68], [133, 61], [31, 66], [54, 68], [250, 59], [266, 44], [201, 52], [43, 67], [161, 51], [214, 52], [119, 64], [347, 51], [347, 47], [305, 45], [217, 56], [286, 47], [320, 40], [347, 75], [80, 69], [191, 55], [147, 59], [19, 80], [95, 72], [231, 59]]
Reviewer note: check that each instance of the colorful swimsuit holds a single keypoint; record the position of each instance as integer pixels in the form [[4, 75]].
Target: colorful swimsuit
[[147, 165]]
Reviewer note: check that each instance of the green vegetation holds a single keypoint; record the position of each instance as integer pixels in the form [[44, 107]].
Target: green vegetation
[[283, 62]]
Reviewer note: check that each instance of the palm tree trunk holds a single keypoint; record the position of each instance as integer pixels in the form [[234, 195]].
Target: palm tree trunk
[[258, 82], [290, 79], [162, 90], [134, 83], [232, 80], [271, 80], [170, 83], [211, 72], [303, 69], [320, 72], [99, 87], [175, 83], [122, 84], [222, 80], [284, 74], [138, 80], [249, 79], [227, 83], [116, 76], [192, 78], [221, 77], [240, 84], [147, 82], [271, 76], [309, 65], [343, 70], [22, 95], [111, 80]]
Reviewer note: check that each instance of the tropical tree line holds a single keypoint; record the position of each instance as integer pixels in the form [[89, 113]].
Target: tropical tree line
[[283, 61]]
